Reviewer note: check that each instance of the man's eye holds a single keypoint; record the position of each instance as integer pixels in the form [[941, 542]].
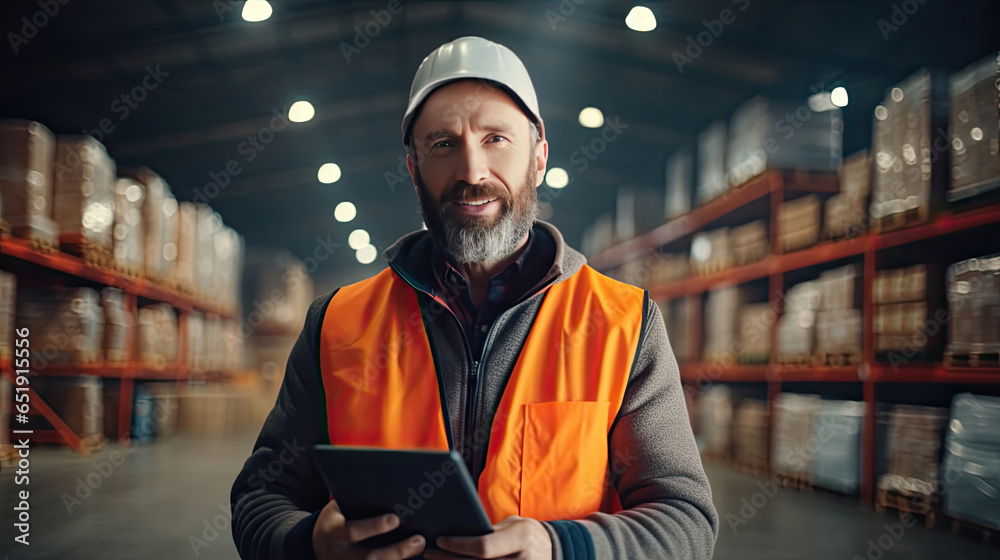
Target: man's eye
[[443, 144], [497, 138]]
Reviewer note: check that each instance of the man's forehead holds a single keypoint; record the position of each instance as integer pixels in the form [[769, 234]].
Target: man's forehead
[[450, 108]]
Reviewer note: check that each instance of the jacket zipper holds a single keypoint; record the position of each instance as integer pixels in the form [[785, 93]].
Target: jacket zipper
[[471, 420]]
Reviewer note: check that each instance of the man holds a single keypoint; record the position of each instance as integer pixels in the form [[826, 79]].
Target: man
[[489, 335]]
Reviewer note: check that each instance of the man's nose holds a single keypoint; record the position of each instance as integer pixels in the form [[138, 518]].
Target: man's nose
[[473, 167]]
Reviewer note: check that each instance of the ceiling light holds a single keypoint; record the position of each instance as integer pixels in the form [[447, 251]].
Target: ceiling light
[[301, 111], [640, 18], [358, 239], [839, 96], [256, 10], [345, 212], [557, 178], [820, 102], [366, 254], [328, 173], [592, 117]]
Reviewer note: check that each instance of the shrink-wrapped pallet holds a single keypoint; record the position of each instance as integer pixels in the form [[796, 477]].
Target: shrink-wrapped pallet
[[680, 180], [836, 464], [715, 418], [972, 460], [69, 320], [721, 327], [118, 325], [767, 134], [750, 435], [84, 198], [27, 150], [128, 254], [792, 433], [157, 338], [846, 213], [911, 151], [975, 128], [158, 209], [711, 163], [186, 241]]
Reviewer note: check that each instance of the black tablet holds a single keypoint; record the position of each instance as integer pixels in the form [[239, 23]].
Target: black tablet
[[431, 491]]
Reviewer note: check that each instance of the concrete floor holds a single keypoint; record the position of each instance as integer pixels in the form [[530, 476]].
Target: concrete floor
[[161, 494]]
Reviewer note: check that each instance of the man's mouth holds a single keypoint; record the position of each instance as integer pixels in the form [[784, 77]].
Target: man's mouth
[[476, 206]]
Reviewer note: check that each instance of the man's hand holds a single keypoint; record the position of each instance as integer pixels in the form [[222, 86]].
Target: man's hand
[[336, 538], [514, 537]]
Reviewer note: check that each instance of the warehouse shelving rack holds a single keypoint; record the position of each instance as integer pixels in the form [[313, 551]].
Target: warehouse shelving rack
[[869, 373], [19, 252]]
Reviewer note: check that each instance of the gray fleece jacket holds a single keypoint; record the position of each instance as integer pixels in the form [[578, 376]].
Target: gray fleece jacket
[[653, 460]]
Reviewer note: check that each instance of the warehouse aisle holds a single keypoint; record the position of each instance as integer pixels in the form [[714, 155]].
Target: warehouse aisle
[[758, 523], [161, 501]]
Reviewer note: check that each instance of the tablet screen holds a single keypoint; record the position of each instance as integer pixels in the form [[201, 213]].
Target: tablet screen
[[431, 491]]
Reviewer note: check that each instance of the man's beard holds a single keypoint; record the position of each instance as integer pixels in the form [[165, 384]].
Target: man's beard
[[480, 239]]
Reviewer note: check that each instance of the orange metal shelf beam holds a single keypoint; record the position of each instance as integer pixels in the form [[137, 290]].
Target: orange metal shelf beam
[[74, 266], [696, 220]]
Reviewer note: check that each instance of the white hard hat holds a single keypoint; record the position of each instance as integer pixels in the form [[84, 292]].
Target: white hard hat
[[475, 58]]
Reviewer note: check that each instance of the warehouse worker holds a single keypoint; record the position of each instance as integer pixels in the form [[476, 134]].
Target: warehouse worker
[[486, 334]]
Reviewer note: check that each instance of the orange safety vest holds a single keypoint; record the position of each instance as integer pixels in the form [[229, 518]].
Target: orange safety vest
[[547, 456]]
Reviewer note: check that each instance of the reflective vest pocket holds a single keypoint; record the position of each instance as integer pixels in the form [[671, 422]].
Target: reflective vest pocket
[[565, 459]]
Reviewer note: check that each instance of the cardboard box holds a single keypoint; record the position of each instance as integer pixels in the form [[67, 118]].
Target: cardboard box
[[749, 243], [799, 223]]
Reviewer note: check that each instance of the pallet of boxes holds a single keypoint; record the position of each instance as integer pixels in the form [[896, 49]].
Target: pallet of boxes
[[910, 152], [26, 154], [974, 308], [838, 323], [715, 420], [974, 96], [907, 323], [750, 437], [72, 319], [792, 432], [969, 467], [845, 214], [910, 484]]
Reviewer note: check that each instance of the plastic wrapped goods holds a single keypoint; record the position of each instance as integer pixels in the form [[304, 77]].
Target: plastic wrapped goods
[[972, 460], [836, 465]]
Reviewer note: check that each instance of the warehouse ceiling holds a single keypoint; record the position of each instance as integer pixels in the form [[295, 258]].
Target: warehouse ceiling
[[212, 84]]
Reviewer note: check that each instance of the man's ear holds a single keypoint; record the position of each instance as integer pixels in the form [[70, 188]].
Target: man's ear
[[541, 161], [412, 167]]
